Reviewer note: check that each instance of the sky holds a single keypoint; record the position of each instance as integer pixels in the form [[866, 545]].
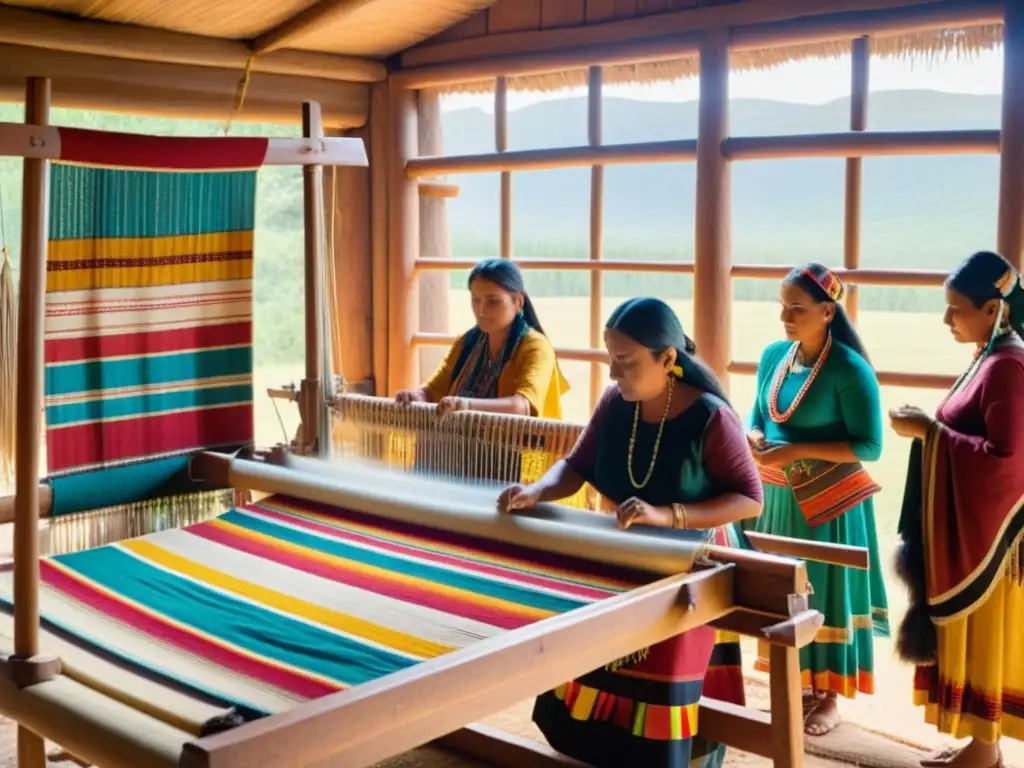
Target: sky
[[812, 81]]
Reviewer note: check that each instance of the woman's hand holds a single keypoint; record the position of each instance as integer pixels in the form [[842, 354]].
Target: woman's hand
[[406, 396], [910, 421], [756, 441], [778, 456], [518, 497], [450, 404], [634, 510]]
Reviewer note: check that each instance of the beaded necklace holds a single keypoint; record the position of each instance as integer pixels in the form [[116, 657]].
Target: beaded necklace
[[780, 377], [657, 440]]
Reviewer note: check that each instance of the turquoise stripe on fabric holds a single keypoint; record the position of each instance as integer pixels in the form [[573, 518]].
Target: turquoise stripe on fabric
[[147, 405], [120, 485], [513, 593], [90, 202], [94, 375], [251, 627], [467, 556]]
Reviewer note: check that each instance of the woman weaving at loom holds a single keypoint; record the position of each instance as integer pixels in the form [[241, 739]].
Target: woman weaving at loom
[[505, 364], [664, 445], [816, 417], [962, 521]]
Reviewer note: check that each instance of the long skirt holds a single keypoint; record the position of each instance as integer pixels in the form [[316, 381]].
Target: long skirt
[[644, 713], [853, 602], [977, 688]]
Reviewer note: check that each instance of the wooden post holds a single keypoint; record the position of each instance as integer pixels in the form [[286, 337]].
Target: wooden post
[[595, 127], [712, 286], [787, 707], [347, 202], [29, 426], [501, 145], [434, 288], [403, 241], [380, 143], [310, 395], [1011, 163], [860, 60]]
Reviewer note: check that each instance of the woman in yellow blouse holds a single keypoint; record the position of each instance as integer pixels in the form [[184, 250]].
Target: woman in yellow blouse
[[505, 363]]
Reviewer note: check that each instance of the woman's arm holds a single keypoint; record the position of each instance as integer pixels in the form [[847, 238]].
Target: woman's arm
[[733, 474], [732, 471], [440, 382], [1002, 408], [860, 405], [535, 367], [568, 475], [516, 405]]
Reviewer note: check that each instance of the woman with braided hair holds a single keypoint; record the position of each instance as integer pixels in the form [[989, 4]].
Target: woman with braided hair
[[962, 526], [817, 416]]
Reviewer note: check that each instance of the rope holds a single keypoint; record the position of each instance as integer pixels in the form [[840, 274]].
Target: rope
[[240, 92]]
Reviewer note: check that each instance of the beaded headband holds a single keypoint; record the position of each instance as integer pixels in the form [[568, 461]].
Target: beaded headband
[[829, 283], [1008, 282]]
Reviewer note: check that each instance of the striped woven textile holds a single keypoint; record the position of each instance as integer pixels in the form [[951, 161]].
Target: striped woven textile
[[148, 345], [285, 600]]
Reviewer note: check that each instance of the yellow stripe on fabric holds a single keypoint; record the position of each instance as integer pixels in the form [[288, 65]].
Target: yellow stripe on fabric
[[596, 582], [383, 574], [148, 276], [584, 704], [87, 249], [350, 625], [212, 639]]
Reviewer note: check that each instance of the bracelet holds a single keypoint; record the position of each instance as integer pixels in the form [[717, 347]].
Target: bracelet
[[678, 516]]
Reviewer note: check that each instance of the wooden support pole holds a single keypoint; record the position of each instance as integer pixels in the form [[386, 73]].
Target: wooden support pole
[[310, 396], [501, 145], [787, 712], [1011, 163], [347, 201], [29, 426], [403, 241], [380, 143], [434, 288], [712, 286], [595, 126], [860, 61]]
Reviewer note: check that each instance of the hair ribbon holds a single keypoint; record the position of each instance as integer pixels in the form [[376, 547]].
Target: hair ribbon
[[1008, 282], [829, 283]]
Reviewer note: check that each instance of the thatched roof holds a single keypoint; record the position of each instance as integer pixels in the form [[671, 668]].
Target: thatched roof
[[934, 43]]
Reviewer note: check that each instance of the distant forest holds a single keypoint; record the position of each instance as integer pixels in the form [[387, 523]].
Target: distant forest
[[919, 213]]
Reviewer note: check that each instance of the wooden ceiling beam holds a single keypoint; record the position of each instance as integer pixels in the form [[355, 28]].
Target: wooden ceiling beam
[[176, 90], [122, 41], [289, 32], [771, 15]]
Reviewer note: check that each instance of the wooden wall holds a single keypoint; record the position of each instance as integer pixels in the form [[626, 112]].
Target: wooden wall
[[525, 15]]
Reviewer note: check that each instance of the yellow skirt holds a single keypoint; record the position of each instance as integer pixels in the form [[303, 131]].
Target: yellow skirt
[[977, 688]]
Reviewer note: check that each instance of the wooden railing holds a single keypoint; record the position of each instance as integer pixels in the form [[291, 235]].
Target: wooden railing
[[712, 266]]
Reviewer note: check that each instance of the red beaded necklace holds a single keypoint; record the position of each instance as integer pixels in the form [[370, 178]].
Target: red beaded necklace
[[780, 377]]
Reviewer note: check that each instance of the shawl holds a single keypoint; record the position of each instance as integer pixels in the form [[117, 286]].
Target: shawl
[[962, 519]]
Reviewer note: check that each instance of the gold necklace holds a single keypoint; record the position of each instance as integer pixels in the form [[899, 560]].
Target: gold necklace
[[657, 440]]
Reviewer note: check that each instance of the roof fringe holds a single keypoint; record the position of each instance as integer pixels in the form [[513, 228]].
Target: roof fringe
[[932, 44]]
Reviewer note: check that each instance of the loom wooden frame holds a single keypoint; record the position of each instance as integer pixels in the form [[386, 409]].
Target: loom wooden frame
[[747, 593]]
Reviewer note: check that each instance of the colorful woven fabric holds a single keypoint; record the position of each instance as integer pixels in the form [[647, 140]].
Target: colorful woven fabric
[[283, 601], [148, 315]]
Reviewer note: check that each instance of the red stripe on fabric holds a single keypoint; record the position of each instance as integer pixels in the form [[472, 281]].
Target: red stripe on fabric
[[725, 684], [86, 444], [623, 716], [177, 153], [151, 626], [405, 592], [436, 557], [153, 343], [658, 722]]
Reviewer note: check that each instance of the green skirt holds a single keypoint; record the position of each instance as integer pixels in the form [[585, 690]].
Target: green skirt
[[854, 603]]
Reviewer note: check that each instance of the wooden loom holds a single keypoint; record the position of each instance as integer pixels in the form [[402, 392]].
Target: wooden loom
[[746, 593], [742, 592]]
